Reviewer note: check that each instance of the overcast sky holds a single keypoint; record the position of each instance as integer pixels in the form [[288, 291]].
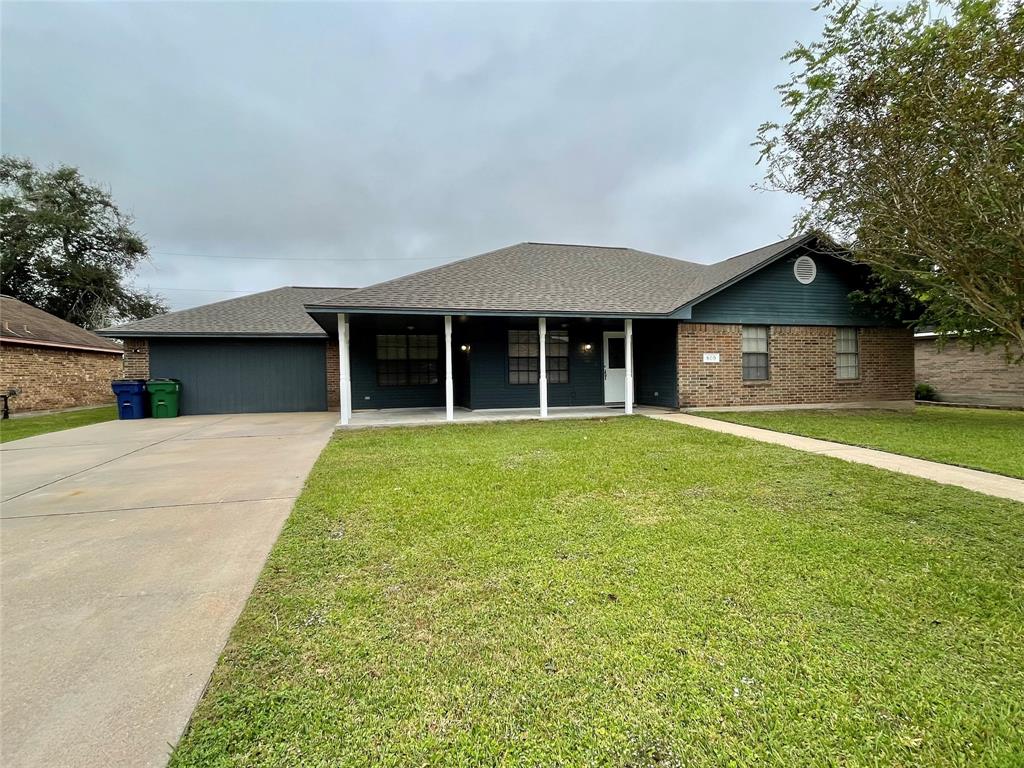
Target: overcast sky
[[363, 141]]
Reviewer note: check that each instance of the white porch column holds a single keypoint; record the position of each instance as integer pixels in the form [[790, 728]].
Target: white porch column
[[344, 372], [449, 384], [629, 365], [542, 331]]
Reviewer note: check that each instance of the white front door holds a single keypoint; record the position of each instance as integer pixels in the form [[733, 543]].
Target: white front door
[[614, 367]]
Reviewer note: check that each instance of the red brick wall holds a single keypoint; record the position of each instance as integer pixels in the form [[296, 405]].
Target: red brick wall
[[136, 359], [50, 378], [962, 375], [333, 374], [801, 367]]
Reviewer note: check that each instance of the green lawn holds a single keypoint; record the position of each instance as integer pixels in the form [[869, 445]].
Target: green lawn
[[969, 437], [28, 426], [625, 592]]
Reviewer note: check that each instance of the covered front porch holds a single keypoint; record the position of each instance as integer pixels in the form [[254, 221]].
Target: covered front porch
[[405, 368]]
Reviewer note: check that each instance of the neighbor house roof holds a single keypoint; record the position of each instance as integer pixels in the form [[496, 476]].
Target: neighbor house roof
[[278, 312], [556, 278], [21, 323]]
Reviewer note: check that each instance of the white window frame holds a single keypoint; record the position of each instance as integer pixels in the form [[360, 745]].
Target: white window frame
[[753, 342], [847, 353]]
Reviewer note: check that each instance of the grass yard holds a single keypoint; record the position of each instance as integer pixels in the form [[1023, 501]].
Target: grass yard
[[29, 426], [968, 437], [625, 592]]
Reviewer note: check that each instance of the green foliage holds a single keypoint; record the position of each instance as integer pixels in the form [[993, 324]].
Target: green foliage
[[67, 249], [906, 138], [923, 391], [623, 592]]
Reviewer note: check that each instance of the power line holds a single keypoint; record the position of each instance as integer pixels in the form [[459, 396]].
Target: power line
[[295, 258]]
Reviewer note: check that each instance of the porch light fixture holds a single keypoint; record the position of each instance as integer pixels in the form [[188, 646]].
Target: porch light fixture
[[587, 347], [464, 347]]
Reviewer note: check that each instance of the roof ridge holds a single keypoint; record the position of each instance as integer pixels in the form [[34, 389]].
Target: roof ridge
[[577, 245], [438, 266], [761, 248], [614, 248]]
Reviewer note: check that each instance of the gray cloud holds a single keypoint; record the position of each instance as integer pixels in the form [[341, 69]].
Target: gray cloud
[[402, 135]]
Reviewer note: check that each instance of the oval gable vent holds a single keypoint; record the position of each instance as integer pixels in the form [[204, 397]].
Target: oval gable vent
[[805, 270]]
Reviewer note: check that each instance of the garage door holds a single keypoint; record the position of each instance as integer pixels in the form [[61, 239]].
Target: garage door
[[243, 376]]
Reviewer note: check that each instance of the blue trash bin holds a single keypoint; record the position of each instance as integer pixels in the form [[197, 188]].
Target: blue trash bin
[[131, 398]]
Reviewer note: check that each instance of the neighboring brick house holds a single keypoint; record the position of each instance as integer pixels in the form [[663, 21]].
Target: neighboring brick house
[[544, 324], [51, 363], [960, 374]]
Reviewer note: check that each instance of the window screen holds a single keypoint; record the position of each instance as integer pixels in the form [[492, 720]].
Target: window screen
[[523, 357], [847, 354], [557, 348], [755, 352], [407, 359]]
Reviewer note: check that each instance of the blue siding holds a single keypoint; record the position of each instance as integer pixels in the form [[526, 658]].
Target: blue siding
[[655, 379], [363, 356], [243, 376], [488, 365], [772, 296]]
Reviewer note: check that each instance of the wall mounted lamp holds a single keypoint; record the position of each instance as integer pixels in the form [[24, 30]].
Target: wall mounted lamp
[[587, 347]]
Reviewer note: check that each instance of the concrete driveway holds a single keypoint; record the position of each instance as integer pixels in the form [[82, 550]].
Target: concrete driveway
[[127, 550]]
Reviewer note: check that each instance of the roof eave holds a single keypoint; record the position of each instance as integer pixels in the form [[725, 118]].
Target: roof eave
[[136, 334], [59, 345], [461, 311]]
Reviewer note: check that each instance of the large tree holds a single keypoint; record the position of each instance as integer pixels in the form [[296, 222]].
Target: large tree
[[906, 138], [67, 249]]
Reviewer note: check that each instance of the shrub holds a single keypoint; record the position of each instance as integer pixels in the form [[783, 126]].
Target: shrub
[[924, 391]]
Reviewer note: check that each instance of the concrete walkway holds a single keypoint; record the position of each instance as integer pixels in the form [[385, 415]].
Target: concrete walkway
[[971, 479], [127, 550]]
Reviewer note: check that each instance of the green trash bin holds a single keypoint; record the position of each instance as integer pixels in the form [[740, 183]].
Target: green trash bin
[[163, 397]]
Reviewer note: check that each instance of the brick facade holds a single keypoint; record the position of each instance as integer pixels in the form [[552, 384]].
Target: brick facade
[[136, 359], [802, 367], [962, 375], [333, 376], [51, 378]]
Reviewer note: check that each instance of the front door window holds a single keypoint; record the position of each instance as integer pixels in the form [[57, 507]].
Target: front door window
[[614, 367]]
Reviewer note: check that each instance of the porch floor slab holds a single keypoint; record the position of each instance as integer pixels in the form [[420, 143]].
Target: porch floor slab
[[419, 416]]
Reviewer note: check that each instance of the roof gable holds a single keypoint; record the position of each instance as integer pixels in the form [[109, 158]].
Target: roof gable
[[772, 295], [22, 323]]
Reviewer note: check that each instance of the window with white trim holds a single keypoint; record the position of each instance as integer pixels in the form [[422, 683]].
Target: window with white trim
[[847, 354], [755, 352]]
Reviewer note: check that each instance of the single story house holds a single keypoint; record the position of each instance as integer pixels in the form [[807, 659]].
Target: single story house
[[50, 363], [539, 325], [966, 375]]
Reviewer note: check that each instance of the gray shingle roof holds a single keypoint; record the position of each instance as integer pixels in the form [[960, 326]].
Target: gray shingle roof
[[528, 277], [25, 324], [547, 277], [278, 312]]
